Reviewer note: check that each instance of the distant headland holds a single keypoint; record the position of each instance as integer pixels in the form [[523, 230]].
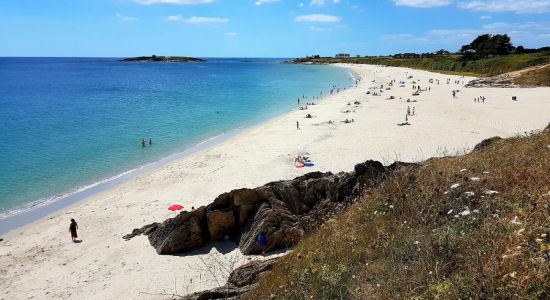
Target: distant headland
[[155, 58]]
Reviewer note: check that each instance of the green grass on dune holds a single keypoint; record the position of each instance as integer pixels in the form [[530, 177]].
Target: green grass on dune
[[452, 63]]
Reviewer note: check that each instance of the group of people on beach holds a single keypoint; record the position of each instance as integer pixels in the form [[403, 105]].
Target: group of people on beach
[[455, 92], [480, 99], [410, 112], [334, 89]]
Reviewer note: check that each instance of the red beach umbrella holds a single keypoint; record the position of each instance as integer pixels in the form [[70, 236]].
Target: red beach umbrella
[[175, 207]]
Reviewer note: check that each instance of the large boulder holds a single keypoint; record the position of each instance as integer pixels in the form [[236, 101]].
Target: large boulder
[[281, 227], [180, 234], [221, 223], [283, 210], [145, 230], [250, 273]]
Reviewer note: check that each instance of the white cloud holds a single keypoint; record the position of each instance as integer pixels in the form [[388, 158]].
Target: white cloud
[[322, 2], [485, 17], [422, 3], [260, 2], [324, 29], [178, 2], [196, 20], [230, 34], [175, 18], [199, 20], [529, 34], [447, 35], [519, 6], [301, 4], [125, 18], [502, 26], [317, 18]]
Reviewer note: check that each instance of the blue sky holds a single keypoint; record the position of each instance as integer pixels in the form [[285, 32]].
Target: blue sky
[[261, 28]]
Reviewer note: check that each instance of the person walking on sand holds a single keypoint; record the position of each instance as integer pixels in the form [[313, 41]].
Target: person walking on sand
[[297, 125], [72, 229]]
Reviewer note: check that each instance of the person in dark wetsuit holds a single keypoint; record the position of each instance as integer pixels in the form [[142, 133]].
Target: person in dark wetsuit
[[72, 229]]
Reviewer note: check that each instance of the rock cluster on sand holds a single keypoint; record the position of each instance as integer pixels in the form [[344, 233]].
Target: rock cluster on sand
[[284, 211]]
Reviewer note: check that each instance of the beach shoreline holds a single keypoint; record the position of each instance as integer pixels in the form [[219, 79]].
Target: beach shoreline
[[35, 211], [106, 266]]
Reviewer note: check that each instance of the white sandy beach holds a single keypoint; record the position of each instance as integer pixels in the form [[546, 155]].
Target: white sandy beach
[[40, 261]]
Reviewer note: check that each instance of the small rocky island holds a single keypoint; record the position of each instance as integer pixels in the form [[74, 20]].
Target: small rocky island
[[155, 58]]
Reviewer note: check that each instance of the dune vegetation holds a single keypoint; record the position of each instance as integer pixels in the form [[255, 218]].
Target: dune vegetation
[[537, 77], [470, 226], [451, 64]]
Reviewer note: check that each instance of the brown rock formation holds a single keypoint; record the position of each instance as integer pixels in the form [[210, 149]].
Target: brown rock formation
[[285, 211], [241, 280]]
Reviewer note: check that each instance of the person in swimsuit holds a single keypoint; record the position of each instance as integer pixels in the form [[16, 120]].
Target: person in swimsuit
[[72, 229]]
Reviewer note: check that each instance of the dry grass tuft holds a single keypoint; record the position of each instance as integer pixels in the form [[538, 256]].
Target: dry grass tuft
[[537, 77], [472, 226]]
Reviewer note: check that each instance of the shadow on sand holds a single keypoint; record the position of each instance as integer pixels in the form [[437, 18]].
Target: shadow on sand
[[221, 247], [226, 248]]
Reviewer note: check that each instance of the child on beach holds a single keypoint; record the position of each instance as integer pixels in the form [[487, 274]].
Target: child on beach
[[72, 229]]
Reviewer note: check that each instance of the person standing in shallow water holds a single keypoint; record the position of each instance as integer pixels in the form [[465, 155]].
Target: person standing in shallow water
[[72, 229]]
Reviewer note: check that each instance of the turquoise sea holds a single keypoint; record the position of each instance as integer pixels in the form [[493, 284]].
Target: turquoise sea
[[67, 123]]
